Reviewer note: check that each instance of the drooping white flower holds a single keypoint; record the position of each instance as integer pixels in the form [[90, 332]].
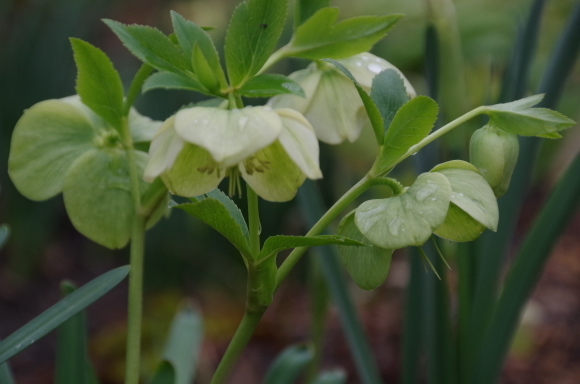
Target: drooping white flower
[[273, 150], [332, 104]]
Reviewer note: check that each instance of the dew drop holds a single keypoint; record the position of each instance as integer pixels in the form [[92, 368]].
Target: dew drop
[[242, 121], [433, 198], [425, 192], [374, 68], [378, 59], [205, 121], [18, 347], [460, 194], [359, 63], [394, 226]]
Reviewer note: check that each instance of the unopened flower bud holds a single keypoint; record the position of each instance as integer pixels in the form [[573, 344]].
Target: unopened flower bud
[[495, 153]]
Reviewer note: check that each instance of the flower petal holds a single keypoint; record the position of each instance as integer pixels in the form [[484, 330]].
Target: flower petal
[[336, 111], [229, 136], [299, 141], [272, 174], [163, 151], [308, 79], [193, 173], [142, 128], [365, 66]]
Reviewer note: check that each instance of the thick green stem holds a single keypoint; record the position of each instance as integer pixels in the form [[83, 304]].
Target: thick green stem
[[364, 184], [237, 345]]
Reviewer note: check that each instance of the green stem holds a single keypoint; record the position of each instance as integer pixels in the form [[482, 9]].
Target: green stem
[[364, 184], [237, 345], [273, 59], [136, 85], [254, 221], [318, 293], [435, 135]]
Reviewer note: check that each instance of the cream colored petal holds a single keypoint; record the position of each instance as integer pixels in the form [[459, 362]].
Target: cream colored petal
[[299, 141], [193, 173], [163, 151], [308, 79], [229, 135], [142, 128], [272, 174], [365, 66], [336, 112]]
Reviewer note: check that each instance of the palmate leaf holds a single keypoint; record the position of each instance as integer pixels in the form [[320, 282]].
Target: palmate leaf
[[254, 29], [275, 244], [98, 83], [222, 214], [411, 124], [60, 312], [319, 37], [268, 85], [151, 46]]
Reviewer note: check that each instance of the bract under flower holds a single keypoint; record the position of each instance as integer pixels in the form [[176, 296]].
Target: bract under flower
[[273, 150], [332, 104]]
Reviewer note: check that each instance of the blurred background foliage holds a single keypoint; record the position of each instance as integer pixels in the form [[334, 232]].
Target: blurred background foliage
[[186, 258]]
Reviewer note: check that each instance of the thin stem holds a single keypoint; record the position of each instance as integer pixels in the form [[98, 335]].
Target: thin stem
[[273, 59], [254, 220], [440, 132], [136, 85], [364, 184], [237, 345]]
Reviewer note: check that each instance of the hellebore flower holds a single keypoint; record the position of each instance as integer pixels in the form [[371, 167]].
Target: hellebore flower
[[332, 104], [273, 150]]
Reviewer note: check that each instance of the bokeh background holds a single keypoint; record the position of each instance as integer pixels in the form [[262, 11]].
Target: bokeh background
[[186, 259]]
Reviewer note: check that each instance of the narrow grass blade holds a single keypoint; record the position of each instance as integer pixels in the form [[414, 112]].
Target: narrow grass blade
[[312, 208], [318, 294], [72, 361], [525, 273], [60, 312], [413, 321], [183, 344], [289, 364], [6, 374], [492, 247]]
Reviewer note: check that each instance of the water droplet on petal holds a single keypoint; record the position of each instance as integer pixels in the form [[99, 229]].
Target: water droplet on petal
[[359, 63], [394, 226], [425, 192], [433, 198], [374, 68], [205, 121], [460, 194], [242, 121]]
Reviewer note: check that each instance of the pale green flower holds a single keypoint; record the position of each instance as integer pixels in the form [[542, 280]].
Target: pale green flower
[[332, 104], [273, 150]]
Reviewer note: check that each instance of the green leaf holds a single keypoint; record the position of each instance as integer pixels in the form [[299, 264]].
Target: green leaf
[[370, 106], [60, 312], [289, 364], [518, 117], [98, 83], [188, 34], [183, 344], [254, 29], [470, 193], [47, 139], [319, 38], [306, 8], [407, 219], [97, 196], [368, 266], [72, 361], [389, 94], [275, 244], [204, 71], [170, 80], [411, 124], [165, 374], [336, 376], [222, 214], [151, 46], [4, 234], [269, 85], [6, 374]]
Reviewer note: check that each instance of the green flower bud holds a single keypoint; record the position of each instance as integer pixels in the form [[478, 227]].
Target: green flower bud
[[495, 153]]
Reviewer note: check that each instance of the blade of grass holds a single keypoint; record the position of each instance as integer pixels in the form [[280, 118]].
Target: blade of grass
[[318, 294], [466, 279], [60, 312], [72, 361], [289, 364], [312, 208], [525, 273], [5, 374], [492, 246]]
